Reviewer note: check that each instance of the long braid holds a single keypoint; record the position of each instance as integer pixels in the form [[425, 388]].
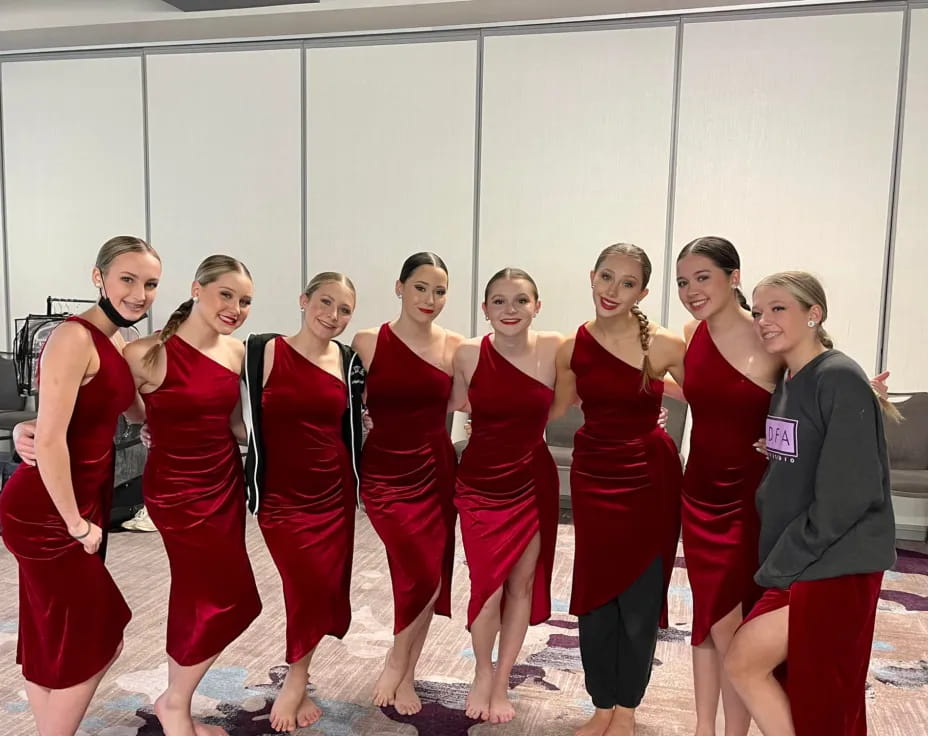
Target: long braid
[[644, 336], [177, 318]]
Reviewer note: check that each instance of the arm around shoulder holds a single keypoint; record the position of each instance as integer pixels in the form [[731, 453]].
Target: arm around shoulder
[[464, 363], [666, 354], [565, 386]]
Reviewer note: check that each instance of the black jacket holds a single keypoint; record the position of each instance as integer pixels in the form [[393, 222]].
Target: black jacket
[[252, 388]]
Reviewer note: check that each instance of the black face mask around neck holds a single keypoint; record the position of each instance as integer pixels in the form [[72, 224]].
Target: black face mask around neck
[[113, 315]]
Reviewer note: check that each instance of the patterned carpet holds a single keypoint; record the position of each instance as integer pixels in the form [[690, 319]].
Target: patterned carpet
[[547, 684]]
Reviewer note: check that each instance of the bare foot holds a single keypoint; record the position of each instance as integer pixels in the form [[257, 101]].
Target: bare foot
[[622, 723], [175, 720], [407, 701], [283, 712], [201, 729], [501, 710], [385, 689], [308, 712], [597, 725], [477, 705]]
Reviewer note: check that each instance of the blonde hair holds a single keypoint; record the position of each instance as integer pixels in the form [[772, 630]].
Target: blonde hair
[[121, 244], [644, 335], [327, 277], [207, 272], [809, 292]]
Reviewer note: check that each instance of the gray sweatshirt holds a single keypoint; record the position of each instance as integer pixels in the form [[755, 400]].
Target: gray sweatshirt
[[824, 502]]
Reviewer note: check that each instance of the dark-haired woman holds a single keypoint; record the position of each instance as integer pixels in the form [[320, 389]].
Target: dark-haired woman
[[407, 471], [727, 383], [193, 483], [303, 412], [827, 532], [625, 486], [507, 484], [55, 507]]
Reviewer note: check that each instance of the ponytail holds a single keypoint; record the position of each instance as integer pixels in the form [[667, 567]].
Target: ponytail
[[889, 409], [824, 337], [177, 318], [739, 295]]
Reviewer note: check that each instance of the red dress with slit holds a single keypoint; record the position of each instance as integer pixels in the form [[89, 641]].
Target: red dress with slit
[[830, 636], [407, 476], [71, 614], [194, 490], [507, 485]]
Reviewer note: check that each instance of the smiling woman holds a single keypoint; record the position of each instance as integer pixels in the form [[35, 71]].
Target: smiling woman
[[193, 484], [507, 485], [407, 474], [624, 485], [303, 413], [53, 511]]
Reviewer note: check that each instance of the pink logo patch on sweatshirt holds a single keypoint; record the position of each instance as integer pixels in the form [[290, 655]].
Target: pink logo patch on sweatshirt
[[781, 436]]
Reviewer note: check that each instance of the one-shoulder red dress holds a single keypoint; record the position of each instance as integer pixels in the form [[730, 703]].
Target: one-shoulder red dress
[[507, 486], [723, 470], [194, 490], [407, 475], [308, 504], [624, 479], [71, 614]]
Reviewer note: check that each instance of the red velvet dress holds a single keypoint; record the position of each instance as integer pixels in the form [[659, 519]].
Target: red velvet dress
[[194, 490], [831, 624], [507, 485], [71, 614], [407, 476], [723, 470], [624, 480], [308, 502]]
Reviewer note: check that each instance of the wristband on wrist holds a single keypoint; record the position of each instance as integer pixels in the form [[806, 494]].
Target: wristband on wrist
[[89, 527]]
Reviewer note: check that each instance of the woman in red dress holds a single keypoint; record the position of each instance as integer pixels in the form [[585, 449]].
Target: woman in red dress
[[727, 382], [193, 483], [507, 484], [53, 511], [303, 412], [408, 465], [625, 486]]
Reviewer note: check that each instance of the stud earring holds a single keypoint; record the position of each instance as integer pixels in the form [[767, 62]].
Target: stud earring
[[302, 310], [196, 299], [811, 323]]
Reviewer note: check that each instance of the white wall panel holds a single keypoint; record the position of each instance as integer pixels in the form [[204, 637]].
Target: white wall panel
[[575, 156], [785, 147], [391, 131], [74, 168], [6, 336], [224, 150], [908, 351]]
